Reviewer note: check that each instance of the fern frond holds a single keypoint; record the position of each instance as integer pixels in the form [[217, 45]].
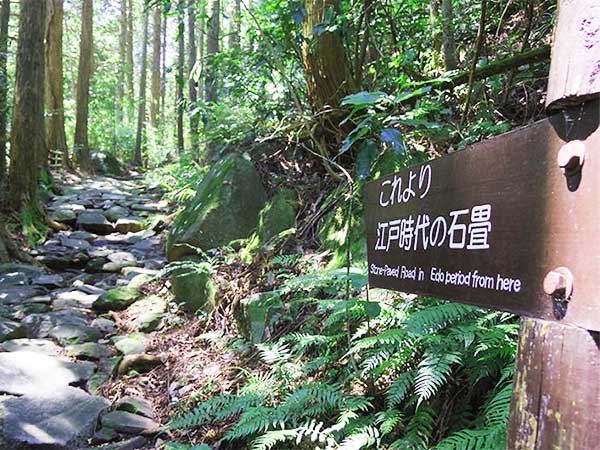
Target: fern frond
[[432, 373], [400, 387], [436, 318]]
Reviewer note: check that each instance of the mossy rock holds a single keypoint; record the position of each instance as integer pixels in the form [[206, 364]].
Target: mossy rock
[[277, 216], [193, 285], [225, 208], [117, 299], [106, 164], [255, 315]]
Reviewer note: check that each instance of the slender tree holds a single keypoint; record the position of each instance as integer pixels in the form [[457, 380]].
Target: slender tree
[[192, 87], [180, 74], [212, 48], [56, 138], [236, 25], [163, 70], [28, 140], [130, 67], [448, 42], [156, 75], [200, 45], [83, 85], [141, 120], [120, 88], [4, 18]]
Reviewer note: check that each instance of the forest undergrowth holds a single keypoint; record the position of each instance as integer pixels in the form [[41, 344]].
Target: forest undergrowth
[[343, 366]]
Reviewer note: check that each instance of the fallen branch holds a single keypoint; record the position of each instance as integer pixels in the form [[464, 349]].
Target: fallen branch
[[495, 67]]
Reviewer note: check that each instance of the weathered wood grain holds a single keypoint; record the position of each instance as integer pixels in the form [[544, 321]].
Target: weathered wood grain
[[556, 398], [575, 67]]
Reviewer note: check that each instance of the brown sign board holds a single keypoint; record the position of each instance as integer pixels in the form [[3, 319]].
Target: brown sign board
[[485, 225]]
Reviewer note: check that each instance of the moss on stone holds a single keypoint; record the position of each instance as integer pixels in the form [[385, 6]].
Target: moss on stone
[[193, 285], [225, 208]]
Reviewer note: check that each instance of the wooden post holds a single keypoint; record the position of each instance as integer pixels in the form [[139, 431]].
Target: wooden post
[[575, 68], [556, 398]]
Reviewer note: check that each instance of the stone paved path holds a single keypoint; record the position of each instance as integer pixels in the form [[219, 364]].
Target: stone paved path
[[58, 340]]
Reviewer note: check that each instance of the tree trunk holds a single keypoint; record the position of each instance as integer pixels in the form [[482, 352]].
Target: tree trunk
[[55, 138], [212, 48], [201, 41], [4, 18], [180, 75], [156, 44], [28, 140], [325, 66], [142, 99], [192, 88], [120, 89], [83, 85], [163, 76], [448, 42], [130, 67], [234, 33]]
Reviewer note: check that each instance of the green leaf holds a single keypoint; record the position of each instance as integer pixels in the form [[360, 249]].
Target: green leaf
[[363, 99], [394, 138], [361, 130], [373, 309], [366, 155]]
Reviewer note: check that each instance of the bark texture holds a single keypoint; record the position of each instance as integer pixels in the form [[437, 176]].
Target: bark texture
[[236, 25], [212, 48], [139, 137], [156, 52], [56, 138], [4, 18], [28, 140], [448, 41], [180, 74], [192, 86], [120, 88], [84, 76], [325, 66], [130, 91]]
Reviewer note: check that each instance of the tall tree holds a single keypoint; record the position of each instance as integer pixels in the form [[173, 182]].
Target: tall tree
[[200, 45], [325, 65], [142, 99], [130, 67], [156, 75], [163, 70], [212, 48], [83, 85], [448, 42], [180, 73], [236, 25], [4, 18], [28, 140], [55, 137], [192, 87], [120, 88]]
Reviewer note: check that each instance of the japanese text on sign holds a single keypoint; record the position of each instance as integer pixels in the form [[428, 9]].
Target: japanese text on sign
[[463, 228]]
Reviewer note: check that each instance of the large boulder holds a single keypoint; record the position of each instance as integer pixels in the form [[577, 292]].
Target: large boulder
[[193, 286], [277, 216], [106, 164], [255, 315], [225, 208]]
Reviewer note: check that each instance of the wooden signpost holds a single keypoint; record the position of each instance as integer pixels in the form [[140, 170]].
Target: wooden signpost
[[513, 223]]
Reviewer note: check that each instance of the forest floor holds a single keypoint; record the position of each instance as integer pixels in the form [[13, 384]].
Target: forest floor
[[82, 360]]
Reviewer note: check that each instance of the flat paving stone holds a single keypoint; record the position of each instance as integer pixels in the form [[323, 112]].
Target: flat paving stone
[[60, 417], [44, 346], [24, 372]]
